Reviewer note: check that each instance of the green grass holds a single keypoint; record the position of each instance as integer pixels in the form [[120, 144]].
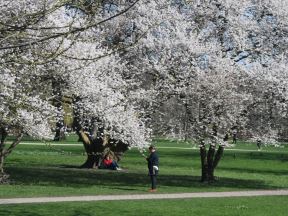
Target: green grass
[[251, 206], [53, 171]]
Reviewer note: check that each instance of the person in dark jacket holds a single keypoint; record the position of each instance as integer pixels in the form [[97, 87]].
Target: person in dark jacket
[[153, 167]]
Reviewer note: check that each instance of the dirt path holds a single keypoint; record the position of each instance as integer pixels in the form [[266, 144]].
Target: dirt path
[[145, 196]]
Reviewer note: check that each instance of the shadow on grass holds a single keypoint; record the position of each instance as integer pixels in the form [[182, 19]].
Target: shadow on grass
[[124, 180], [19, 211], [261, 155], [250, 170]]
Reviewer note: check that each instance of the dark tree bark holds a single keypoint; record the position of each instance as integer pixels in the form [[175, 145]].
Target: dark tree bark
[[4, 152], [218, 156], [209, 161], [94, 150], [204, 164], [3, 134]]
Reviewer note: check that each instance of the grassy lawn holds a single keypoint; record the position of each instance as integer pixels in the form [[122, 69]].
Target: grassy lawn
[[251, 206], [44, 171]]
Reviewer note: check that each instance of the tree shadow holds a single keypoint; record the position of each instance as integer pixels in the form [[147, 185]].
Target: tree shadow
[[83, 178], [260, 171], [28, 210], [261, 155], [19, 211], [64, 166], [193, 181]]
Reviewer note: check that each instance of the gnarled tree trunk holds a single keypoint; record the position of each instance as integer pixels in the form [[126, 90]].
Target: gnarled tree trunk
[[98, 147], [93, 148]]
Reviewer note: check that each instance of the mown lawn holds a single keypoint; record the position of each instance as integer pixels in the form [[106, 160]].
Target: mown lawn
[[250, 206], [53, 171]]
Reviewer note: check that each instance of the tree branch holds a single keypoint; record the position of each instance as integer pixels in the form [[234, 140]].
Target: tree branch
[[76, 30]]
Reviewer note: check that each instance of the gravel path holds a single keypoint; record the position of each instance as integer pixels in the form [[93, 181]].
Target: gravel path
[[145, 196]]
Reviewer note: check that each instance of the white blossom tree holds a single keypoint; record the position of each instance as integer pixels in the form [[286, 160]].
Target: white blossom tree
[[54, 48], [203, 59], [217, 61]]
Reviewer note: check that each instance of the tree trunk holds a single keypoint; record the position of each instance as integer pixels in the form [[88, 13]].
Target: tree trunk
[[92, 161], [210, 157], [1, 163], [92, 145], [218, 156], [94, 150], [204, 164], [4, 178], [3, 134], [209, 162]]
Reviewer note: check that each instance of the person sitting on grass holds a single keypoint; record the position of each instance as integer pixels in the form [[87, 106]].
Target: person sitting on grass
[[109, 163]]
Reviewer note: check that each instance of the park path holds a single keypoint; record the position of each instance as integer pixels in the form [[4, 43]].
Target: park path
[[145, 196]]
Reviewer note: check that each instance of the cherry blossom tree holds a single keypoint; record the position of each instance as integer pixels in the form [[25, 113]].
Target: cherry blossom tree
[[204, 61], [54, 48], [75, 49], [123, 63]]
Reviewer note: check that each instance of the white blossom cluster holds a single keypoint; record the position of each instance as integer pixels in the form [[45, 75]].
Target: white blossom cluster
[[205, 64]]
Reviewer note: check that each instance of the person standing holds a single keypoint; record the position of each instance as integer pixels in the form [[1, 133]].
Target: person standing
[[153, 167], [259, 143], [234, 135]]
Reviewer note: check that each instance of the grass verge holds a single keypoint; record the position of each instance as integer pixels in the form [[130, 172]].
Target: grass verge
[[254, 206]]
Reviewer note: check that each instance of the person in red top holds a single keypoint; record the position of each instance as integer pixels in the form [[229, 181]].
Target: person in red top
[[108, 163]]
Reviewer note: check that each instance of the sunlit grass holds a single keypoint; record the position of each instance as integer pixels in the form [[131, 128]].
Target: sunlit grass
[[54, 171], [248, 206]]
